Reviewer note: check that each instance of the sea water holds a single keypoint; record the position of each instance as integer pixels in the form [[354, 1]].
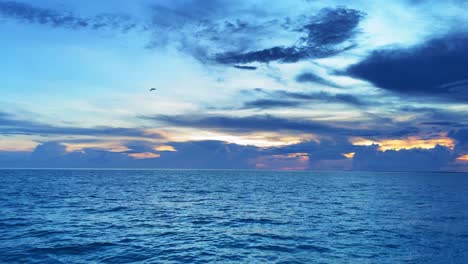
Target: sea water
[[215, 216]]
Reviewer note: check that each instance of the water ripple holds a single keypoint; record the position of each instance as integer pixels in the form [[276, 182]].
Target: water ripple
[[86, 216]]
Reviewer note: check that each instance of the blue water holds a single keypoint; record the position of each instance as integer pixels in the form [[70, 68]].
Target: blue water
[[196, 216]]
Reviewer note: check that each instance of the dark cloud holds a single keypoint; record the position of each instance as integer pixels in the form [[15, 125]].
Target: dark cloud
[[194, 155], [271, 103], [309, 77], [48, 152], [460, 135], [444, 119], [260, 123], [434, 68], [243, 67], [371, 159], [323, 37], [325, 149], [438, 123], [312, 155], [324, 97], [54, 155], [221, 30], [26, 13], [9, 125], [203, 28], [283, 54], [461, 138], [209, 154], [332, 27], [281, 98]]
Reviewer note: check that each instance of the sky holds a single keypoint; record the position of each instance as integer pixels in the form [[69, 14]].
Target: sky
[[257, 84]]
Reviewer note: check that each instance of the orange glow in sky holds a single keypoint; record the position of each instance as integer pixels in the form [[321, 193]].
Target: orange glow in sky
[[16, 145], [299, 155], [408, 143], [349, 155], [165, 148], [144, 155], [463, 157], [109, 146], [259, 139], [290, 161]]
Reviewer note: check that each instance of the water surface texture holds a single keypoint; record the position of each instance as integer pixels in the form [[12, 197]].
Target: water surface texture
[[197, 216]]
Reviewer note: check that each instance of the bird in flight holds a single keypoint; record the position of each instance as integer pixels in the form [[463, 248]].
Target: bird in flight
[[152, 89]]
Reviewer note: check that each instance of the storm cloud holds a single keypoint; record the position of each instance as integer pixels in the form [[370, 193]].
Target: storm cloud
[[435, 68]]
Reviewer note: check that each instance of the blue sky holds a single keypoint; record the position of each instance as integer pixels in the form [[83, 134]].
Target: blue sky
[[317, 85]]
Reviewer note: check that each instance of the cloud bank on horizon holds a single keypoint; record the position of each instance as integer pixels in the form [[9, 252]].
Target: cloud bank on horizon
[[308, 85]]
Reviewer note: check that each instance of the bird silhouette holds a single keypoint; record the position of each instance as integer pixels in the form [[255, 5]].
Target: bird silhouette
[[152, 89]]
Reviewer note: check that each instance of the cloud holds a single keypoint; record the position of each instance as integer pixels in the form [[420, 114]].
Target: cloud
[[411, 142], [144, 155], [332, 27], [243, 67], [309, 77], [48, 151], [460, 135], [204, 28], [282, 54], [327, 148], [271, 103], [225, 35], [441, 118], [9, 125], [325, 154], [435, 68], [281, 98], [26, 13], [322, 37], [259, 123], [194, 154], [371, 159], [209, 154], [325, 97], [288, 161], [461, 138]]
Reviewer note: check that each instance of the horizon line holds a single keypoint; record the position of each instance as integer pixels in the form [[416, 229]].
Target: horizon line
[[208, 169]]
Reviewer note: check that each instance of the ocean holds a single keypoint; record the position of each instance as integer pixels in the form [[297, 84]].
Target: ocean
[[216, 216]]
